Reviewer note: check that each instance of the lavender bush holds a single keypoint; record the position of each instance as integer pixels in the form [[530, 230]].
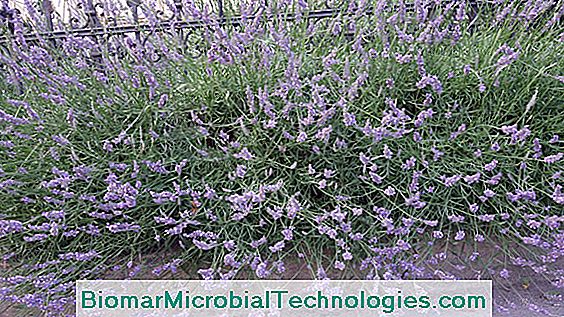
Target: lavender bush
[[369, 142]]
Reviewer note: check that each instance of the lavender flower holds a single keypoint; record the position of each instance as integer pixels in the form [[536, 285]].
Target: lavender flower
[[257, 243], [490, 166], [451, 180], [61, 140], [389, 191], [81, 257], [10, 226], [293, 207], [486, 218], [456, 218], [558, 195], [458, 132], [339, 265], [123, 227], [489, 193], [288, 233], [409, 164], [277, 247], [244, 154], [240, 171], [553, 158], [471, 179], [516, 135], [207, 274], [432, 81], [387, 152]]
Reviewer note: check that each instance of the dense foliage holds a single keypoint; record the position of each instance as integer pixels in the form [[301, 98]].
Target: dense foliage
[[370, 141]]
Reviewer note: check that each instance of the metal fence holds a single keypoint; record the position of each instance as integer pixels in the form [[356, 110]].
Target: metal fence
[[179, 25], [90, 20], [94, 26]]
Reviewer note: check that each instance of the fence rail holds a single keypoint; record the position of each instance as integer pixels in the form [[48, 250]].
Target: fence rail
[[161, 26], [95, 28]]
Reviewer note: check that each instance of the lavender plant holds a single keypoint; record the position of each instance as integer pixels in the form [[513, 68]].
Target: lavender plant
[[373, 142]]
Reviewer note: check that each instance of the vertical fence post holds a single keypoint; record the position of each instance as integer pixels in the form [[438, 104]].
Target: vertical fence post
[[94, 23], [220, 8], [134, 6], [178, 18], [47, 9], [7, 17], [178, 9], [90, 11]]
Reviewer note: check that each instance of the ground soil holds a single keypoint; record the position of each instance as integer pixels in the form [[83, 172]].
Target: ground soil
[[523, 294]]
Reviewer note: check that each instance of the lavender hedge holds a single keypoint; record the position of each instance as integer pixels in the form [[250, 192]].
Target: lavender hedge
[[371, 142]]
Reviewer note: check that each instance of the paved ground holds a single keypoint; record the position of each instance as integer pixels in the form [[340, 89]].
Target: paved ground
[[535, 299], [518, 296]]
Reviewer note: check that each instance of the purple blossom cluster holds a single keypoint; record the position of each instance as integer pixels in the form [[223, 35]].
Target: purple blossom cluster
[[362, 143]]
